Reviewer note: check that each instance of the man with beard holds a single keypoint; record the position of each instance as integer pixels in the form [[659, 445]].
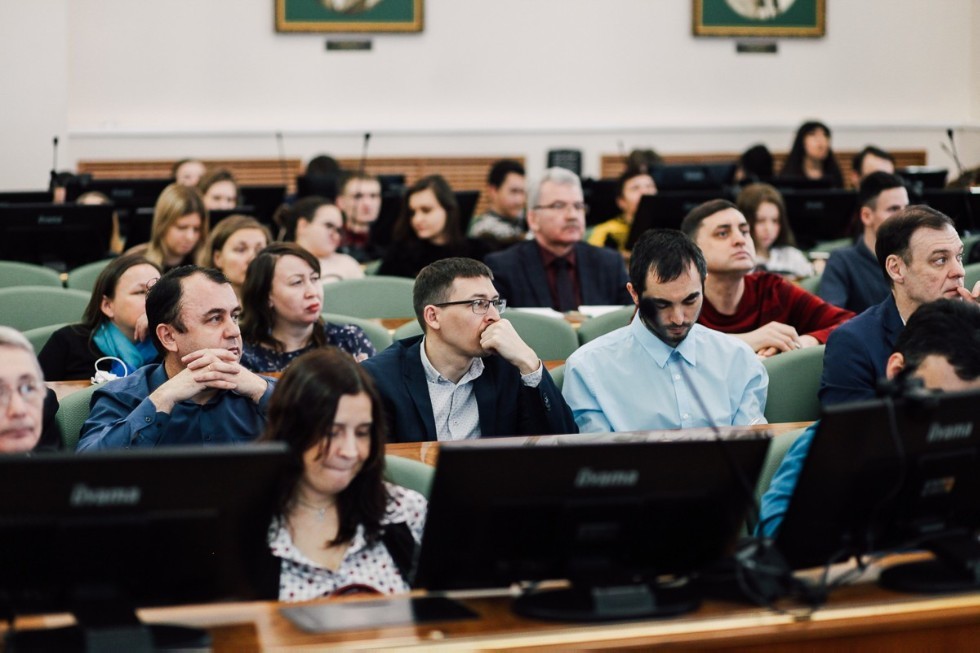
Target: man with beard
[[656, 372], [470, 375]]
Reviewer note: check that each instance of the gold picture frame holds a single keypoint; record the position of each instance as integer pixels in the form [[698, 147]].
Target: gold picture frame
[[751, 18], [349, 15]]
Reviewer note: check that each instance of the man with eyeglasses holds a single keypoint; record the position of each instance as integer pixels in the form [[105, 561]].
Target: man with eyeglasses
[[469, 375], [557, 269], [26, 412]]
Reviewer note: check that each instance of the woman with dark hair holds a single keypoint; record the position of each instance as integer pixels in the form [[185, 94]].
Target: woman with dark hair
[[428, 229], [281, 303], [337, 525], [108, 325], [317, 225], [812, 158], [775, 247]]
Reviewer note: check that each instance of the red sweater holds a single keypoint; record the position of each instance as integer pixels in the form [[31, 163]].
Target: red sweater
[[770, 298]]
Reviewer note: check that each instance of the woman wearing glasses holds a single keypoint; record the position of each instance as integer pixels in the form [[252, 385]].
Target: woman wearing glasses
[[316, 224], [281, 304], [338, 527], [428, 229]]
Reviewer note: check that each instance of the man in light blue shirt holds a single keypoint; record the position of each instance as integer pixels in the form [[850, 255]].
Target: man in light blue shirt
[[657, 372]]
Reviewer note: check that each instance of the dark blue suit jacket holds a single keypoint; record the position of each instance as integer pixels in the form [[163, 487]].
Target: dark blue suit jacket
[[520, 278], [853, 279], [857, 352], [507, 406]]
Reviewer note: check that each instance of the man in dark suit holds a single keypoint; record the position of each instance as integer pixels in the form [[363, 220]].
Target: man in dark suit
[[470, 375], [557, 269], [921, 255]]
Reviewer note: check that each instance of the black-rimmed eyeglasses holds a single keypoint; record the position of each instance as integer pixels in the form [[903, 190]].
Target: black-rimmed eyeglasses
[[479, 306]]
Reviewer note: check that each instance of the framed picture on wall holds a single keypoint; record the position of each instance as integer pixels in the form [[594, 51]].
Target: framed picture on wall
[[765, 18], [349, 15]]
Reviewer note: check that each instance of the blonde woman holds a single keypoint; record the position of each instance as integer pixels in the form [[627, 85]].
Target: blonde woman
[[180, 227], [233, 243]]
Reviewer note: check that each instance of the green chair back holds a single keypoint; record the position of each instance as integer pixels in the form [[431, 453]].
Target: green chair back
[[810, 284], [600, 325], [73, 410], [407, 330], [83, 277], [14, 274], [370, 297], [972, 276], [371, 269], [409, 473], [794, 378], [379, 336], [30, 307], [829, 246], [558, 375], [39, 336]]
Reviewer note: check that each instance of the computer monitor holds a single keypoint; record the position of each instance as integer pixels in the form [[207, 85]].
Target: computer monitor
[[393, 182], [600, 195], [613, 513], [666, 210], [960, 204], [25, 197], [264, 200], [920, 178], [819, 215], [102, 533], [62, 236], [321, 185], [466, 200], [127, 195], [886, 475], [694, 176], [138, 226]]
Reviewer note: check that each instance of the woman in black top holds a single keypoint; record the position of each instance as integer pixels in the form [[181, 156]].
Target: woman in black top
[[812, 158], [428, 229]]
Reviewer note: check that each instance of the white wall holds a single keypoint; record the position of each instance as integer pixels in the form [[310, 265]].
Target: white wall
[[181, 77]]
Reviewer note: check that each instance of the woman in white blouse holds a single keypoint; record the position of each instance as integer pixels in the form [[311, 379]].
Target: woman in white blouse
[[338, 526], [775, 247]]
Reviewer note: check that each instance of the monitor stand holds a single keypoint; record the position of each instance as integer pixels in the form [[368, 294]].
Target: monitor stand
[[956, 568], [108, 627], [606, 603]]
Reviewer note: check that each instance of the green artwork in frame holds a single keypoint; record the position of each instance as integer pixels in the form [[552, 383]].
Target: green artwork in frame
[[349, 15], [765, 18]]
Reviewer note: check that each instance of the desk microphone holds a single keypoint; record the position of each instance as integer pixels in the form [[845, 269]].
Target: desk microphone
[[364, 150], [282, 160], [950, 149], [54, 161]]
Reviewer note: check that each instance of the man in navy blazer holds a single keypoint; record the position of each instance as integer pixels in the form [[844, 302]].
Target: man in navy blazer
[[921, 256], [470, 375], [557, 269]]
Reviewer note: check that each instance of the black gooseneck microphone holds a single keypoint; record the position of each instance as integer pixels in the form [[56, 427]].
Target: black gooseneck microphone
[[364, 150], [54, 161], [950, 149], [282, 160]]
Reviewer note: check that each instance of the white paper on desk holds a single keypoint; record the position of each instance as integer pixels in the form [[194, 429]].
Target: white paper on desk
[[547, 312], [598, 309], [353, 615]]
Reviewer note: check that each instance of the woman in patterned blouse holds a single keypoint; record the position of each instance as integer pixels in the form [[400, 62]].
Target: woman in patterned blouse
[[281, 300], [338, 527]]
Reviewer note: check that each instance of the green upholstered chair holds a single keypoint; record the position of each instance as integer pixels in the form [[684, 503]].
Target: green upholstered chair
[[972, 276], [14, 274], [829, 246], [413, 474], [379, 336], [72, 412], [371, 269], [375, 296], [603, 324], [83, 277], [810, 284], [794, 378], [407, 330], [39, 336], [29, 307], [558, 375]]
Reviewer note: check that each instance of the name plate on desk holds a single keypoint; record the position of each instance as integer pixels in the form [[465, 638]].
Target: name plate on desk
[[359, 615]]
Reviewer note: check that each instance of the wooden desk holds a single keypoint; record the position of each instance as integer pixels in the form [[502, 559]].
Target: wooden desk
[[428, 452], [64, 388], [857, 618]]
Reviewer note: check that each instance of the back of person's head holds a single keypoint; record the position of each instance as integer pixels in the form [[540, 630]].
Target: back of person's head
[[225, 230], [755, 195], [61, 179], [554, 175], [667, 253], [174, 203], [894, 234], [857, 161], [258, 317], [288, 216], [644, 160], [301, 413], [873, 185], [444, 195], [756, 163], [11, 338], [93, 198], [500, 169], [692, 221], [106, 284], [323, 165], [945, 327], [165, 298], [435, 282]]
